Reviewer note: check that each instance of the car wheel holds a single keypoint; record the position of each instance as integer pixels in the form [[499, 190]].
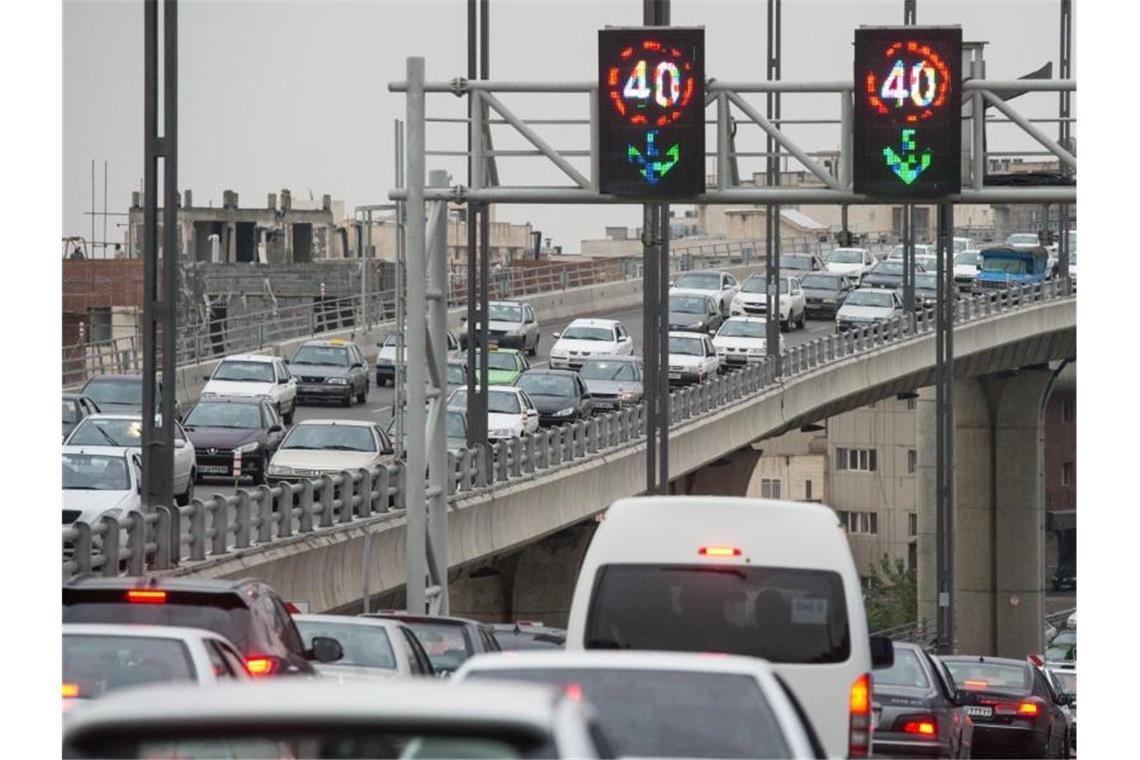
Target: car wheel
[[534, 349], [347, 400], [184, 498], [803, 319], [263, 467], [288, 418], [362, 397], [786, 326]]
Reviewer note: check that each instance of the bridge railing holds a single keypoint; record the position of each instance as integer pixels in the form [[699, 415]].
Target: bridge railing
[[138, 543]]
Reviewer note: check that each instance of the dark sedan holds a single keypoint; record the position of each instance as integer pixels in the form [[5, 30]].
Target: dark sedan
[[1018, 713], [613, 381], [824, 292], [925, 289], [330, 370], [694, 312], [75, 408], [916, 711], [219, 427], [888, 274], [559, 395]]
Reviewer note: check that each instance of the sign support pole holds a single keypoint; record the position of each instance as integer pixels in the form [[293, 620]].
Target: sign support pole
[[944, 432], [772, 212]]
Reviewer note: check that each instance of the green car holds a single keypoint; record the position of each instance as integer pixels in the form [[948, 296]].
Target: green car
[[504, 366]]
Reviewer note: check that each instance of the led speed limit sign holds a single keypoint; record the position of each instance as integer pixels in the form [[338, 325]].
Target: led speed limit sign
[[651, 104]]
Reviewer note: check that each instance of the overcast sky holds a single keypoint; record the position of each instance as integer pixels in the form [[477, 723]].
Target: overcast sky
[[294, 94]]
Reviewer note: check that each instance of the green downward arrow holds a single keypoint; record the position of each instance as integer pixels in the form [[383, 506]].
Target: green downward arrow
[[909, 165]]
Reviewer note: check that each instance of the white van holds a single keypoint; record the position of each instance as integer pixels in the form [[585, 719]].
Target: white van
[[770, 579]]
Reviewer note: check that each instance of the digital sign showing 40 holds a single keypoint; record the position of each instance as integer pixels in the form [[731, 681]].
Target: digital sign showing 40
[[652, 85], [915, 83]]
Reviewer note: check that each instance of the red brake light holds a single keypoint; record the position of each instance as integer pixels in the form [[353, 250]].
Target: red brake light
[[292, 608], [971, 683], [1028, 708], [260, 666], [574, 691], [922, 727], [859, 735], [146, 596], [1036, 660], [70, 690], [719, 551]]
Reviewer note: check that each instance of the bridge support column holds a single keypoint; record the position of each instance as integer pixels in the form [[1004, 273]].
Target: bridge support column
[[730, 475], [999, 512]]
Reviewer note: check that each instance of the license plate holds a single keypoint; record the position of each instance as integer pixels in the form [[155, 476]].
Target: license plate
[[212, 469], [979, 711], [674, 375]]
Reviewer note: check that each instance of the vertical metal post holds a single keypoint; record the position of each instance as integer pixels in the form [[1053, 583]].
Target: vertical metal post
[[104, 209], [484, 222], [436, 279], [650, 337], [1064, 138], [416, 531], [722, 138], [91, 240], [944, 433], [663, 416], [772, 212], [159, 313], [476, 398], [398, 292], [910, 18]]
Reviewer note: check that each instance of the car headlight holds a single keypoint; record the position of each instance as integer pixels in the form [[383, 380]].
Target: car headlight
[[557, 354], [278, 469], [627, 396], [564, 412], [248, 448], [829, 300], [337, 381], [758, 351]]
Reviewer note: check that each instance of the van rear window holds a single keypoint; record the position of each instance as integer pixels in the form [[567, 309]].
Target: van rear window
[[784, 615]]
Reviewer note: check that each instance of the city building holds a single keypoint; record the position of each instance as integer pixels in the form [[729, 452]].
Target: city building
[[509, 242]]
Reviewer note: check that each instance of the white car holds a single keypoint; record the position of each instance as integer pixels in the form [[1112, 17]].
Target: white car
[[742, 340], [920, 250], [966, 266], [1023, 240], [255, 375], [752, 300], [103, 658], [723, 706], [318, 717], [510, 412], [852, 261], [386, 357], [125, 431], [692, 358], [584, 338], [316, 447], [99, 481], [374, 648], [865, 306], [720, 285]]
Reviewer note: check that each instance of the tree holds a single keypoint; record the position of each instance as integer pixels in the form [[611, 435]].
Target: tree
[[891, 596]]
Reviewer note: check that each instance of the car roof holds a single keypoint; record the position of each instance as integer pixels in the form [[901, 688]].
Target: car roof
[[983, 659], [701, 271], [118, 378], [222, 399], [165, 583], [876, 288], [139, 631], [692, 662], [330, 421], [328, 342], [249, 358], [594, 322], [686, 334], [507, 303], [82, 448], [548, 371], [745, 319], [411, 617], [612, 358], [377, 622], [319, 701]]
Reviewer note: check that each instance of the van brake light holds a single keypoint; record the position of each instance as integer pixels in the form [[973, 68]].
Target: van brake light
[[146, 596], [859, 735], [719, 551], [70, 690], [261, 666]]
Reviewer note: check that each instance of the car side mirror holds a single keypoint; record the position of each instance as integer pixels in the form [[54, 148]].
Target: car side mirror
[[882, 652], [206, 377], [356, 365], [965, 697], [325, 649], [276, 429], [1065, 699], [557, 336]]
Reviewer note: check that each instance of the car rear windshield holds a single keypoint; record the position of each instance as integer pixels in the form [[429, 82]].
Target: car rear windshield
[[687, 305], [780, 614], [991, 676], [795, 262], [510, 640], [1004, 265], [887, 267], [69, 412], [500, 360], [845, 256], [224, 415], [585, 332], [820, 282], [661, 713], [223, 613], [97, 664], [698, 281], [906, 671], [498, 402], [244, 371], [686, 346], [869, 298], [365, 646], [447, 645], [115, 431]]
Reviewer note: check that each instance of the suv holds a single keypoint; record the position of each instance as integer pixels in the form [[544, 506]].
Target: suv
[[330, 369], [247, 612], [448, 641]]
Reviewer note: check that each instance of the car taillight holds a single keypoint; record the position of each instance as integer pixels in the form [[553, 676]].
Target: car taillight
[[292, 609], [923, 726], [261, 666], [1028, 708], [1025, 709], [146, 596], [859, 734], [70, 690]]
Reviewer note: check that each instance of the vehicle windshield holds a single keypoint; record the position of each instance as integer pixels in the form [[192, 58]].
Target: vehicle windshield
[[241, 371], [698, 281], [679, 344], [1063, 647], [878, 298], [1066, 680], [69, 412], [107, 432], [224, 415], [505, 312], [991, 676], [389, 340], [754, 284], [820, 282], [1004, 265], [968, 258], [795, 262], [740, 328], [962, 244], [781, 614], [664, 713], [923, 281], [501, 360], [887, 267], [586, 332], [330, 438], [331, 356], [94, 472], [845, 256], [498, 402], [365, 646], [116, 391], [1022, 238], [446, 645], [542, 384], [607, 370], [906, 671], [98, 664], [456, 425], [224, 614], [456, 374], [687, 305]]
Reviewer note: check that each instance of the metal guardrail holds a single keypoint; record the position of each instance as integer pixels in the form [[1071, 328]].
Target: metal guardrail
[[265, 514]]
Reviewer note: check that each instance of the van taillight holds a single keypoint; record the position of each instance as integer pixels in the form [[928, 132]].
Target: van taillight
[[859, 735], [261, 666], [146, 596], [719, 551], [70, 690]]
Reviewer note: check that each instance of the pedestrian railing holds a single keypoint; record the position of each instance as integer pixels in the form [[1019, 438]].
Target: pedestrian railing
[[136, 543]]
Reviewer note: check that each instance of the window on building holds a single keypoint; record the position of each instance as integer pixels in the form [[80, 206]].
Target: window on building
[[842, 515], [912, 524], [911, 403], [873, 527], [856, 459], [807, 490], [840, 458], [1067, 474], [769, 488], [911, 460], [912, 556], [1068, 406]]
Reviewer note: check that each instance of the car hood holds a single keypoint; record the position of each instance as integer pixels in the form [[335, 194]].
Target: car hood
[[965, 270], [354, 673], [591, 346], [325, 461], [613, 387], [108, 407], [685, 360], [318, 370], [92, 504], [223, 438], [738, 342], [844, 268], [863, 312], [237, 388], [544, 403]]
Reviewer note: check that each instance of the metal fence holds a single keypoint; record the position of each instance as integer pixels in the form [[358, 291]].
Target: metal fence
[[265, 514]]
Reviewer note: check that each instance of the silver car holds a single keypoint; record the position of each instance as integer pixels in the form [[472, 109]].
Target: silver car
[[374, 648], [614, 381], [511, 324]]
